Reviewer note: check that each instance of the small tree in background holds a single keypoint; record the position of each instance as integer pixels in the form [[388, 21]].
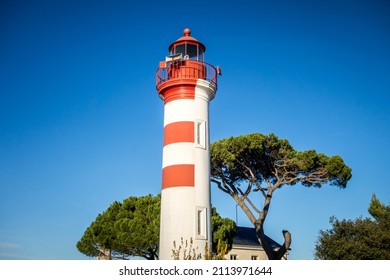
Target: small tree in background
[[359, 239], [99, 238], [130, 228], [224, 230]]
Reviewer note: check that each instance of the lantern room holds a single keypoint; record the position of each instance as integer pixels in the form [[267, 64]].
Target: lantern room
[[187, 47], [185, 62]]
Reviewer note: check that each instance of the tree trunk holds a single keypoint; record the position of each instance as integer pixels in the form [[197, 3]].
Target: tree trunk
[[258, 224], [270, 252], [104, 254]]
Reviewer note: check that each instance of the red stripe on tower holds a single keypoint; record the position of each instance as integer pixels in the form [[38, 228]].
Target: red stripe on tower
[[181, 175], [172, 91], [178, 132]]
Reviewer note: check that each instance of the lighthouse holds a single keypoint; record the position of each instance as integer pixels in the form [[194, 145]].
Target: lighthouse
[[186, 84]]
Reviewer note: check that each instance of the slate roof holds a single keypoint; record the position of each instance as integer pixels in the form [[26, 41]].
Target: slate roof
[[246, 236]]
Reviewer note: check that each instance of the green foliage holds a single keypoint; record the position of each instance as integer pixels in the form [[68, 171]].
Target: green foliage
[[261, 164], [380, 212], [359, 239], [137, 227], [132, 228], [223, 230], [273, 159], [87, 245]]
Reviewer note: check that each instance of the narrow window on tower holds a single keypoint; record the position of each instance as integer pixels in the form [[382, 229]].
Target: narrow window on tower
[[201, 225], [200, 134]]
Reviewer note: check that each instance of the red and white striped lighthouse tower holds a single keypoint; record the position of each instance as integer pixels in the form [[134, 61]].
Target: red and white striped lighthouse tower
[[186, 84]]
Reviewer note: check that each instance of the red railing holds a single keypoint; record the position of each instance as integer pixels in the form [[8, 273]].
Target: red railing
[[186, 69]]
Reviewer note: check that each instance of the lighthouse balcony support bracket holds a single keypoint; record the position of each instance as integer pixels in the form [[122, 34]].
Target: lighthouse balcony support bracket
[[186, 69]]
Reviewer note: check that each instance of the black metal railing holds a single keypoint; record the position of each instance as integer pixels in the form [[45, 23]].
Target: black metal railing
[[182, 69]]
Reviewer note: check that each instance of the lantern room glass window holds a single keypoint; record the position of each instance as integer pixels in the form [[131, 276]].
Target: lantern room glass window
[[180, 49], [190, 51], [200, 55]]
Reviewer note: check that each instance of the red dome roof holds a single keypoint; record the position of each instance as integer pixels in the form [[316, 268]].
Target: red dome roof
[[187, 39]]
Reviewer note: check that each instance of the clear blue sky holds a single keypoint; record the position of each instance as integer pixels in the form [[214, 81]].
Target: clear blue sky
[[81, 123]]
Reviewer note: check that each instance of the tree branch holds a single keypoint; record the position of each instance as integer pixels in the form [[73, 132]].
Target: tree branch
[[253, 206], [253, 177], [222, 187], [269, 184], [240, 201], [286, 245]]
